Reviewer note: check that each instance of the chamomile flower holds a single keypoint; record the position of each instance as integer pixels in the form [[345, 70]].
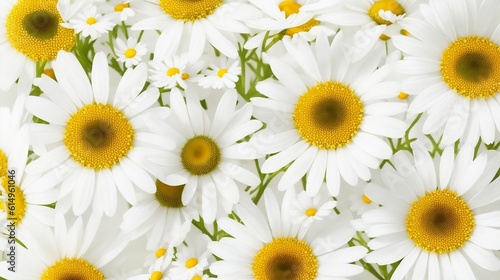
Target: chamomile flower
[[157, 270], [437, 222], [94, 138], [175, 71], [191, 259], [30, 32], [221, 75], [89, 22], [130, 53], [207, 155], [359, 201], [189, 25], [326, 115], [451, 59], [163, 216], [122, 9], [268, 245], [305, 209]]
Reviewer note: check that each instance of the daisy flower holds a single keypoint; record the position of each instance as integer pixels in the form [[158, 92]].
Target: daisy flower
[[221, 75], [159, 212], [95, 136], [359, 201], [122, 9], [30, 32], [437, 222], [130, 53], [451, 59], [174, 71], [90, 23], [207, 155], [292, 17], [326, 115], [268, 245], [191, 259], [305, 209], [189, 25], [160, 264]]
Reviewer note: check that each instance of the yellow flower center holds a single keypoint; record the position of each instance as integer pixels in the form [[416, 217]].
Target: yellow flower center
[[200, 155], [189, 10], [172, 71], [4, 165], [91, 20], [192, 262], [285, 258], [160, 252], [98, 136], [196, 277], [18, 198], [33, 29], [328, 115], [75, 269], [120, 7], [185, 76], [404, 32], [403, 95], [385, 5], [169, 196], [50, 72], [366, 199], [129, 53], [291, 7], [440, 222], [470, 67], [156, 275], [221, 72], [311, 212]]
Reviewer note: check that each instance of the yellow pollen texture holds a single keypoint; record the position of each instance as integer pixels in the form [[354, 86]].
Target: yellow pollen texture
[[440, 222], [189, 10], [385, 5], [328, 115], [3, 164], [291, 7], [19, 200], [75, 269], [200, 155], [33, 29], [98, 136], [285, 258], [169, 196], [120, 7], [470, 66], [403, 95]]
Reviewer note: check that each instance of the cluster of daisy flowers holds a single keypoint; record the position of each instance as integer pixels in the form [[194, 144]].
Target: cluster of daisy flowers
[[249, 139]]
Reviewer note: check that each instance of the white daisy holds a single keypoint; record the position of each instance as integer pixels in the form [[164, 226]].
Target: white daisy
[[268, 245], [191, 259], [89, 22], [161, 261], [451, 61], [305, 209], [437, 221], [95, 138], [190, 25], [160, 212], [122, 9], [359, 201], [207, 155], [221, 75], [130, 53], [30, 32], [326, 115], [175, 71]]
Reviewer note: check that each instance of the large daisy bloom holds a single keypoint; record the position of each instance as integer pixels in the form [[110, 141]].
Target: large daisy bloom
[[30, 32], [438, 222], [452, 59], [207, 155], [189, 25], [326, 115], [94, 137], [268, 245]]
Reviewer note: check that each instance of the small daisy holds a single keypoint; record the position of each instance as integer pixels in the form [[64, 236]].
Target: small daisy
[[122, 9], [90, 23], [30, 32], [221, 75], [189, 25], [437, 222], [267, 245], [207, 155], [359, 201], [95, 138], [160, 263], [191, 259], [328, 115], [130, 53], [452, 69], [174, 71], [305, 209]]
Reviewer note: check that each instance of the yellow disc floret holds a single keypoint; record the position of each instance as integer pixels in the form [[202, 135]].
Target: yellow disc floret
[[169, 196], [3, 164], [130, 53], [470, 67], [200, 155], [291, 7], [33, 29], [73, 268], [328, 115], [189, 10], [440, 222], [156, 275], [311, 212], [366, 199], [385, 5], [98, 136], [285, 258], [120, 7], [190, 263]]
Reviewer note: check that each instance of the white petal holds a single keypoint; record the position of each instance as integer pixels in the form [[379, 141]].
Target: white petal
[[46, 110], [71, 76], [316, 174], [298, 168], [100, 78], [274, 163]]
